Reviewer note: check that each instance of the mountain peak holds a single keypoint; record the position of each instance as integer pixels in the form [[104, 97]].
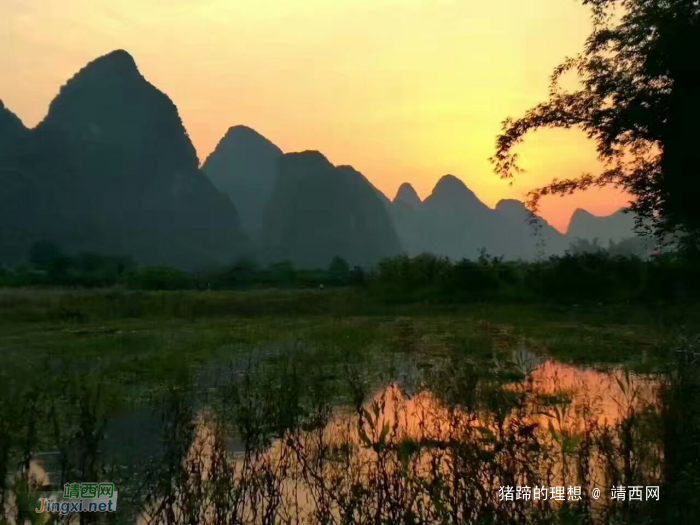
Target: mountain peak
[[407, 194], [119, 63], [241, 138], [587, 217], [509, 204], [119, 55], [613, 227], [109, 101], [450, 187], [451, 193], [310, 158], [243, 131], [241, 128], [512, 207], [580, 212], [122, 175], [244, 166], [114, 71], [117, 59], [450, 180]]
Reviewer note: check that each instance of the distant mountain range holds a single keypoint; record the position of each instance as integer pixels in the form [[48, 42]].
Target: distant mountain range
[[452, 221], [111, 169], [610, 228]]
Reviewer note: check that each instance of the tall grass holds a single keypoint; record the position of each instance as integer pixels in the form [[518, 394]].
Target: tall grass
[[270, 443]]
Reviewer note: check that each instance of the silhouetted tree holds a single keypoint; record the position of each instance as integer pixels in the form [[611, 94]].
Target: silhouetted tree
[[160, 278], [283, 273], [43, 253], [638, 99], [580, 246], [58, 268], [242, 273], [631, 247], [358, 276], [339, 270]]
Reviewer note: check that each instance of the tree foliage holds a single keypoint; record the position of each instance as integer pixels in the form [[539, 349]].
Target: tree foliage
[[638, 99], [43, 253]]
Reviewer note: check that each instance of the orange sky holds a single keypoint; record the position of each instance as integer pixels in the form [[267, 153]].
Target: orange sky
[[404, 90]]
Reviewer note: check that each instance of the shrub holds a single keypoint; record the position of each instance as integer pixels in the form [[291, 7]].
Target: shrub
[[160, 278]]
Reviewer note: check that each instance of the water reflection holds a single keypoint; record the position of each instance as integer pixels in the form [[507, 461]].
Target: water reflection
[[403, 455], [614, 393]]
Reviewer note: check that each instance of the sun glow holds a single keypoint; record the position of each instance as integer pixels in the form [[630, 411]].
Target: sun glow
[[402, 90]]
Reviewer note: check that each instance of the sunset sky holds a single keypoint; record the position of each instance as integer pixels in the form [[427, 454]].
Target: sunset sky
[[404, 90]]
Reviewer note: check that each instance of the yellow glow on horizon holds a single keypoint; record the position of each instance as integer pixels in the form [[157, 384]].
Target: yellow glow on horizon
[[404, 90]]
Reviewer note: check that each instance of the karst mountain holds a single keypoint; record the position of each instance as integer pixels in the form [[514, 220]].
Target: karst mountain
[[319, 211], [615, 227], [453, 222], [244, 166], [111, 169]]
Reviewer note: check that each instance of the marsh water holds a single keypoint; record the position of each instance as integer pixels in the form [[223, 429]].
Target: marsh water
[[404, 437]]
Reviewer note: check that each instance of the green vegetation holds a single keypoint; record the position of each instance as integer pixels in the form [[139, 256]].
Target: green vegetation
[[588, 274], [636, 98], [123, 383], [409, 390], [291, 384]]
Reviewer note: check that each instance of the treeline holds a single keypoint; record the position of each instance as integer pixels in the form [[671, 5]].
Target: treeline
[[48, 266], [575, 277], [581, 276]]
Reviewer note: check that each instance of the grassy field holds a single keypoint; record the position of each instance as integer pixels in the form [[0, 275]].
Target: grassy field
[[144, 338], [91, 372]]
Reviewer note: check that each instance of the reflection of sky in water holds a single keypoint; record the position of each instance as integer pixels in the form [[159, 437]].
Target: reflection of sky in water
[[611, 394], [422, 415]]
